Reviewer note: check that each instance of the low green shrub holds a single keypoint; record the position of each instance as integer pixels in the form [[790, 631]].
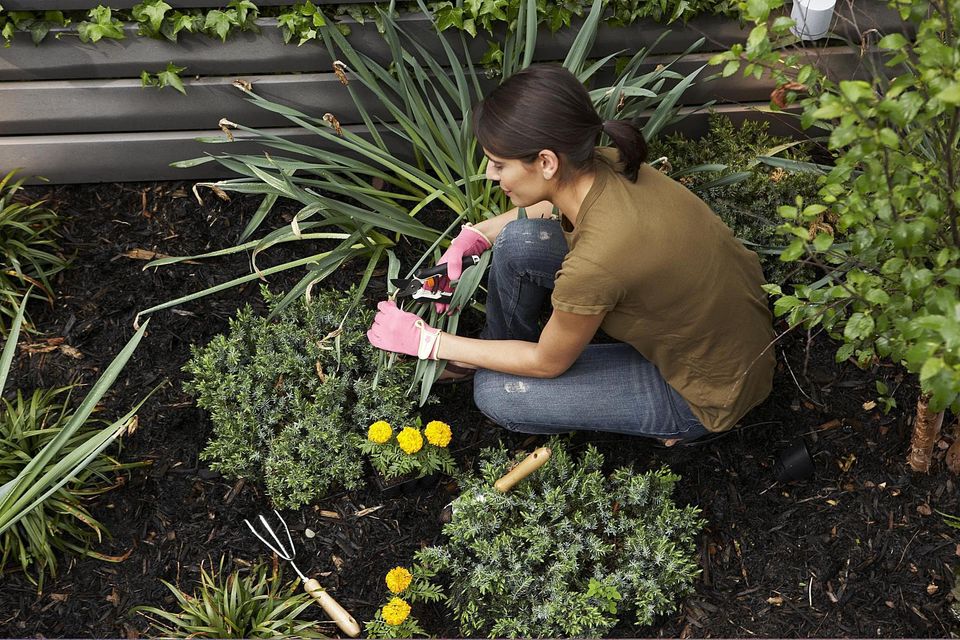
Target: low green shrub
[[748, 207], [29, 249], [291, 398], [255, 605], [568, 551]]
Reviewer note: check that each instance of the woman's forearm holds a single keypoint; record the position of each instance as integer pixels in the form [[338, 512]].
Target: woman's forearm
[[492, 227], [507, 356]]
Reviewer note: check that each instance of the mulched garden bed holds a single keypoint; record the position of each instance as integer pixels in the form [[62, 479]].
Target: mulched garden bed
[[857, 550]]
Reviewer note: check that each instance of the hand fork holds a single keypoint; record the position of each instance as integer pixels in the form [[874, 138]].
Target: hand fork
[[331, 607]]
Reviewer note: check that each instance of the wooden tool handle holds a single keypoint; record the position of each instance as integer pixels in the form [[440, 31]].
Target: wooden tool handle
[[527, 466], [332, 608]]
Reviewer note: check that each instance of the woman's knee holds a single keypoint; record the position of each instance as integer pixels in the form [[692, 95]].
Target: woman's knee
[[519, 239]]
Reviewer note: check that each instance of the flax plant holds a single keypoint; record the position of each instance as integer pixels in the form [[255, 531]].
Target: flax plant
[[365, 188], [52, 458]]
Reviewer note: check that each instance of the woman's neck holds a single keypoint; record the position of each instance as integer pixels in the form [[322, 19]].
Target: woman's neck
[[569, 198]]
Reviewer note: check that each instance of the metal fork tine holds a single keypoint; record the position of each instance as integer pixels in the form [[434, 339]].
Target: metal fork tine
[[293, 548], [261, 538], [283, 553]]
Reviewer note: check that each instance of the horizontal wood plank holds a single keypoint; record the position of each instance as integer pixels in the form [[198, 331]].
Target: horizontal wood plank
[[145, 156]]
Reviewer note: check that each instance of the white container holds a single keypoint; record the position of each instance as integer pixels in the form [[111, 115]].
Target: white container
[[813, 18]]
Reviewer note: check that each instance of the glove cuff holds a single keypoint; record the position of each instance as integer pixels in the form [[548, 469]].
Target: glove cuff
[[469, 227], [429, 341]]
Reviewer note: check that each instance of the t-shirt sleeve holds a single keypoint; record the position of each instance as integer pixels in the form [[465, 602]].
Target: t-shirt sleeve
[[585, 288]]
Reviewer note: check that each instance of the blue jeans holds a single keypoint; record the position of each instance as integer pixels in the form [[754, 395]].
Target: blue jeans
[[610, 387]]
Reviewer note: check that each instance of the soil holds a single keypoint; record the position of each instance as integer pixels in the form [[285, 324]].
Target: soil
[[858, 549]]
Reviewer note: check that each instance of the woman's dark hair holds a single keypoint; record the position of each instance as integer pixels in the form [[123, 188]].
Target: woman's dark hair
[[546, 107]]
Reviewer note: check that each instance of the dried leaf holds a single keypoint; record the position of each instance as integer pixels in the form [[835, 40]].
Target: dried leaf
[[225, 126], [329, 514], [44, 346], [337, 561], [67, 350], [869, 405], [340, 69], [333, 122], [932, 588], [776, 601], [59, 597], [847, 463], [779, 95], [368, 511], [243, 84], [924, 509]]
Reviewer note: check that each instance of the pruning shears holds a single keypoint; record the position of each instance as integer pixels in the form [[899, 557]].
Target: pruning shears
[[427, 283]]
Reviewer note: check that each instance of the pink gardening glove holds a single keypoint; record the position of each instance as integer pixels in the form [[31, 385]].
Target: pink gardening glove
[[403, 332], [469, 242]]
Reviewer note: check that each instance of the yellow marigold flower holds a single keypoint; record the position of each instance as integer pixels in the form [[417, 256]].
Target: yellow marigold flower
[[398, 579], [395, 611], [379, 431], [410, 440], [438, 433]]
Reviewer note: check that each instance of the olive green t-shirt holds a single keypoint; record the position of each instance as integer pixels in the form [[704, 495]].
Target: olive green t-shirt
[[676, 285]]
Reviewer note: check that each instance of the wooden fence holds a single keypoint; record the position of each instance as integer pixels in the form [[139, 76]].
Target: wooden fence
[[75, 112]]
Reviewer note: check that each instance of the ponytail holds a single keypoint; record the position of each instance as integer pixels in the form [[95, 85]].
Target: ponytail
[[628, 140]]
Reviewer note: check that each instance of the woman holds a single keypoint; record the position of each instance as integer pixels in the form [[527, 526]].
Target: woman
[[633, 253]]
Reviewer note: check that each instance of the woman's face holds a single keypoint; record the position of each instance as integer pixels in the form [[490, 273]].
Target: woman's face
[[523, 182]]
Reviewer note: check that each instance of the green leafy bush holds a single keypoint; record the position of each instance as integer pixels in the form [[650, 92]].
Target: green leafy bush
[[255, 605], [29, 249], [568, 551], [747, 206], [290, 398], [891, 250]]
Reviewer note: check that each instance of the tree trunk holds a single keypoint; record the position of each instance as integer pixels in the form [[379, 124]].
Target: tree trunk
[[953, 453], [926, 432]]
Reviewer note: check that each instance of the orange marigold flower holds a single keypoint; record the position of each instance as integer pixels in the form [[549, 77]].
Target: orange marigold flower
[[398, 579], [395, 611], [380, 431], [410, 440], [438, 433]]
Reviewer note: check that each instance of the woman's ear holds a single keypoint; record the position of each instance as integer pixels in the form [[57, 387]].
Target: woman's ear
[[548, 163]]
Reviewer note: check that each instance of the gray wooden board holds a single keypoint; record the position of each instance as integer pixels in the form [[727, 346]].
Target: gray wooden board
[[75, 5], [90, 106], [67, 58], [145, 156]]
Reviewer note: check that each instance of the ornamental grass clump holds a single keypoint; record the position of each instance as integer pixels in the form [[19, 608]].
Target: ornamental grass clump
[[29, 249], [405, 586], [253, 605], [410, 450], [51, 459], [290, 397], [567, 552]]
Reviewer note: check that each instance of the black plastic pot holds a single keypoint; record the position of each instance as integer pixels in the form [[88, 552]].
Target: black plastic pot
[[794, 462]]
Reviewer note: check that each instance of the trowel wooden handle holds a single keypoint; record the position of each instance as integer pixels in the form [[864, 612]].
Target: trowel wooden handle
[[332, 608], [527, 466]]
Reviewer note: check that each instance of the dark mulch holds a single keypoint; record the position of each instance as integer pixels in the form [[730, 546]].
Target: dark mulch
[[858, 550]]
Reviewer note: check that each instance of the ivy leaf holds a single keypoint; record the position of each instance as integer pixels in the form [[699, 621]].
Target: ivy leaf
[[219, 23], [152, 13], [101, 25], [171, 78]]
